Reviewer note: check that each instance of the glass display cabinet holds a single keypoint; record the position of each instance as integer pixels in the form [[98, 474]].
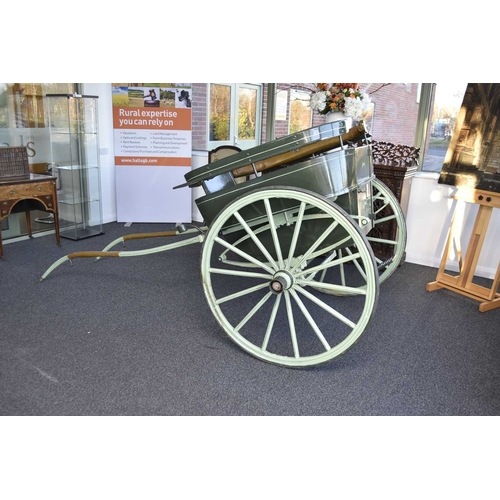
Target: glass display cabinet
[[74, 145]]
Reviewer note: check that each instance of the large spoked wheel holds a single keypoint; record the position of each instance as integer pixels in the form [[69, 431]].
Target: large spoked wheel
[[387, 239], [260, 265], [388, 236]]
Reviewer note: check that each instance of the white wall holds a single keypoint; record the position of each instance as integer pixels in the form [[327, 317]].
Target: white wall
[[200, 158], [428, 217], [108, 185]]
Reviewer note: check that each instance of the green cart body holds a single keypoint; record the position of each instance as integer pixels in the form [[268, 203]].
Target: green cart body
[[342, 176]]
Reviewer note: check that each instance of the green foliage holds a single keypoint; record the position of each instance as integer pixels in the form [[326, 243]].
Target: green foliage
[[219, 128], [120, 100], [246, 129], [3, 106], [133, 93], [167, 94], [300, 116]]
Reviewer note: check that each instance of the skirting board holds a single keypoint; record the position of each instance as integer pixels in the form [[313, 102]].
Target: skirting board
[[425, 260]]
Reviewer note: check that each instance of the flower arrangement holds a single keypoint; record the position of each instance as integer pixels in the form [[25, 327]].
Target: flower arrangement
[[343, 97]]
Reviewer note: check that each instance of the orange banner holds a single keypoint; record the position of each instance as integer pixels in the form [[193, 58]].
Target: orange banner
[[153, 148], [151, 118], [152, 161]]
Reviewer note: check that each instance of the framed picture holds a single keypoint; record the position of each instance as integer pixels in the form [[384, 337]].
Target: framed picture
[[473, 156]]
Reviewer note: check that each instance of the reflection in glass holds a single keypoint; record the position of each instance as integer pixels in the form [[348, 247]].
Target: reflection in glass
[[300, 111], [22, 104], [220, 112], [23, 113], [447, 103], [472, 160], [247, 113]]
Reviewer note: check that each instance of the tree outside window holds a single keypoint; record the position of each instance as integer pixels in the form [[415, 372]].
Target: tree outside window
[[300, 111]]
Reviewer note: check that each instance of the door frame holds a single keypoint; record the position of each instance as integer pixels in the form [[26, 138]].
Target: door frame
[[233, 126]]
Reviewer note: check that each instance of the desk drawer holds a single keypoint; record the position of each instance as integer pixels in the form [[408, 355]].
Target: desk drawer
[[6, 205], [10, 194], [26, 190]]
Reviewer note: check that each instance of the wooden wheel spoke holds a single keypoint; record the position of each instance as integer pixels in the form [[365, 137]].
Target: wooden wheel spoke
[[256, 240], [245, 255], [333, 288], [316, 244], [383, 207], [243, 238], [241, 293], [237, 272], [310, 320], [327, 308], [330, 248], [382, 240], [342, 270], [274, 234], [327, 265], [270, 324], [385, 219], [291, 324], [323, 271], [356, 263], [257, 306], [296, 231]]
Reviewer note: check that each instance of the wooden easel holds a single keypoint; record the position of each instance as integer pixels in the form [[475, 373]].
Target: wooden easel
[[462, 283]]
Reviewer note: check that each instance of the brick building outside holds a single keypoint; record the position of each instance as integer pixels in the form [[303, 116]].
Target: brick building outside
[[395, 112]]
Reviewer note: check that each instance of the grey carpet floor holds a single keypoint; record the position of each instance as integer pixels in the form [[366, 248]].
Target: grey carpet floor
[[135, 336]]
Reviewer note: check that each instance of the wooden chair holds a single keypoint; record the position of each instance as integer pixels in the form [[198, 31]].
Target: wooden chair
[[223, 152]]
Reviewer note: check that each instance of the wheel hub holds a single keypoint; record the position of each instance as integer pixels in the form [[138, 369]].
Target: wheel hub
[[281, 281]]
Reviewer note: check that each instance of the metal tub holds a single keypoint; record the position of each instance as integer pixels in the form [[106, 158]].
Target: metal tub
[[342, 176]]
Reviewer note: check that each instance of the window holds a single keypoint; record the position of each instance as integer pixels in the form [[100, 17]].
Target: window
[[22, 123], [441, 123], [300, 111], [234, 114], [220, 113], [22, 116]]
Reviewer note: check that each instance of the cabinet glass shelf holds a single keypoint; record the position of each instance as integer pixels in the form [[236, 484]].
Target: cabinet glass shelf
[[76, 201], [74, 143], [76, 167]]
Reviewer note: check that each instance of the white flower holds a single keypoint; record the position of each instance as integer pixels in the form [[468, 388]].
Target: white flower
[[318, 101], [354, 106], [366, 100], [343, 97]]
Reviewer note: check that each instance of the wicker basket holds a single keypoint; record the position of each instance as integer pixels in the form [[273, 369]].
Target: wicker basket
[[14, 162]]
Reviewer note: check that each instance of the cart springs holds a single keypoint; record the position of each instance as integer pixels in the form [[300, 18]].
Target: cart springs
[[181, 228]]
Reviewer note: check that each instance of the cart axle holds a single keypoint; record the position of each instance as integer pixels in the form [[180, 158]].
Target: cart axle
[[281, 281]]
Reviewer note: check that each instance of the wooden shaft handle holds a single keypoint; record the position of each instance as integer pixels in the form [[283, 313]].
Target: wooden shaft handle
[[90, 254], [140, 236], [307, 150]]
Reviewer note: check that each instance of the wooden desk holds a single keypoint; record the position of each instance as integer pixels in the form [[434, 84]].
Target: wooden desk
[[35, 189]]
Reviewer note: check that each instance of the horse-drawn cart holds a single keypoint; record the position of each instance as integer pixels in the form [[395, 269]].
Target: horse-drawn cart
[[288, 265]]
